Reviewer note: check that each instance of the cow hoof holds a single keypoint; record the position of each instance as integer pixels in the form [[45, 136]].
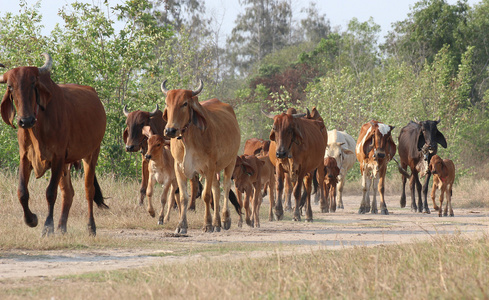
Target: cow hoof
[[47, 231], [403, 201], [181, 230], [452, 215], [385, 212], [361, 211], [32, 222], [249, 223], [324, 210], [340, 206], [217, 229], [240, 223], [160, 222], [374, 211], [297, 217], [208, 228], [414, 208], [62, 228], [308, 220], [226, 224], [151, 213], [427, 211]]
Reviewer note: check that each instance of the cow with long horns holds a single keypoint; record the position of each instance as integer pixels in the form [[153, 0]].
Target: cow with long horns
[[205, 139], [57, 125]]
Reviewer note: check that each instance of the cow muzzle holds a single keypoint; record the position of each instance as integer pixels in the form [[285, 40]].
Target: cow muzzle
[[131, 148], [171, 132], [28, 122], [281, 154]]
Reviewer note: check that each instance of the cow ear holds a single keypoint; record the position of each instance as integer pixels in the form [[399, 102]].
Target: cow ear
[[125, 134], [7, 109], [336, 170], [247, 168], [165, 115], [44, 96], [272, 135], [368, 145], [147, 131], [297, 137], [347, 151], [421, 140], [440, 139], [197, 114], [392, 147]]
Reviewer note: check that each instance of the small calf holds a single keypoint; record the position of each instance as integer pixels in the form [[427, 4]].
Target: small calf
[[161, 170], [331, 173], [250, 175], [443, 177]]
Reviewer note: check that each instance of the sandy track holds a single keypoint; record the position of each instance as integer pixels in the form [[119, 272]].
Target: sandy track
[[339, 230]]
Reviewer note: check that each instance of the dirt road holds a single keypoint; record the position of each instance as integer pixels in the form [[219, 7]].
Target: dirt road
[[339, 230]]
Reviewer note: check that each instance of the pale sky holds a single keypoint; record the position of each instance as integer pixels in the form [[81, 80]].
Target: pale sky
[[339, 12]]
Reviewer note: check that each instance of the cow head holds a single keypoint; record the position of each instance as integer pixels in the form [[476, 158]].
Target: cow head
[[331, 170], [135, 121], [429, 138], [27, 91], [182, 109], [437, 166], [156, 143], [244, 170], [285, 132], [379, 141], [338, 152]]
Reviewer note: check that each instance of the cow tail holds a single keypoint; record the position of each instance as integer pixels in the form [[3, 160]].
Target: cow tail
[[98, 198], [234, 201], [315, 183]]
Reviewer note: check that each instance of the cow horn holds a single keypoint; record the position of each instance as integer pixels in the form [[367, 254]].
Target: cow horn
[[163, 87], [2, 80], [416, 120], [48, 63], [126, 113], [308, 113], [199, 89], [298, 115], [268, 115], [438, 121], [151, 114]]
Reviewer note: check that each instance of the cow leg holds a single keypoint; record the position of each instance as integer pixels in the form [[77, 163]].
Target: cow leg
[[320, 174], [442, 197], [288, 193], [182, 201], [271, 198], [412, 186], [418, 188], [194, 191], [241, 204], [256, 205], [308, 187], [163, 200], [144, 181], [51, 195], [247, 206], [433, 197], [449, 200], [374, 183], [226, 182], [297, 196], [339, 190], [383, 205], [171, 203], [149, 193], [216, 195], [67, 193], [403, 192], [279, 211], [324, 204], [25, 169], [425, 194], [333, 196], [89, 164], [365, 198]]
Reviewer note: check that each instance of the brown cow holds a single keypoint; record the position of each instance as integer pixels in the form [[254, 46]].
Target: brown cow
[[331, 173], [135, 140], [161, 170], [58, 125], [205, 139], [443, 177], [255, 146], [251, 174], [375, 148], [297, 148]]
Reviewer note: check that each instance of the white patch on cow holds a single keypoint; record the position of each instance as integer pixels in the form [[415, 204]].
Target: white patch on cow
[[384, 129], [359, 146]]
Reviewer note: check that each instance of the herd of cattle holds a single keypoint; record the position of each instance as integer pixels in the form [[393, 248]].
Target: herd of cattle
[[61, 125]]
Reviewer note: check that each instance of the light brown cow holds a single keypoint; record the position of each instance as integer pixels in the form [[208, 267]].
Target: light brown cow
[[255, 146], [205, 139], [58, 125], [331, 173], [251, 174], [161, 170], [375, 148], [297, 148], [443, 177]]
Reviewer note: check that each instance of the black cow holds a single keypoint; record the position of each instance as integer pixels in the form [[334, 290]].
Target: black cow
[[418, 142]]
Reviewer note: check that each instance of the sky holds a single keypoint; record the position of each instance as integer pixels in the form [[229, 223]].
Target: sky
[[339, 12]]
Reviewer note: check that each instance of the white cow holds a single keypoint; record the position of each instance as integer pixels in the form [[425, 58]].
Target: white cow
[[341, 146]]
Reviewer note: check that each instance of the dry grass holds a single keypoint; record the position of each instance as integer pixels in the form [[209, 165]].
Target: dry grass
[[455, 268]]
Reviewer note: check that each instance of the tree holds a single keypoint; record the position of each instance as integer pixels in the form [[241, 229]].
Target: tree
[[314, 27]]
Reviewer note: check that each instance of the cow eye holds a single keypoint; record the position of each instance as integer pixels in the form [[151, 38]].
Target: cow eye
[[10, 88], [184, 104]]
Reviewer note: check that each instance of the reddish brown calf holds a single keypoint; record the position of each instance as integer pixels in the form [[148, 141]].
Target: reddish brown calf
[[331, 173], [443, 177]]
